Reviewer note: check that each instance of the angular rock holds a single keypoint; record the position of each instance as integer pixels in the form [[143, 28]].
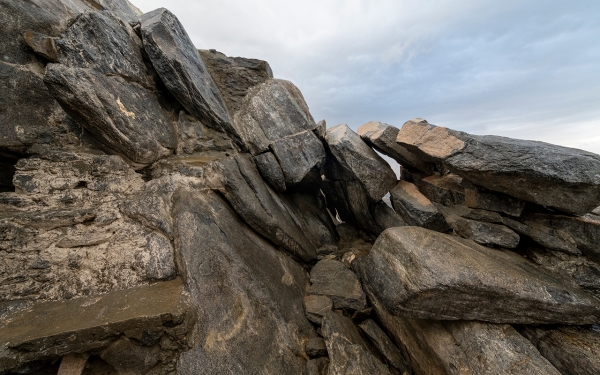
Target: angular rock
[[386, 217], [270, 170], [181, 69], [316, 306], [257, 290], [315, 347], [553, 239], [471, 348], [563, 178], [298, 155], [447, 190], [572, 350], [333, 279], [382, 137], [385, 346], [415, 208], [91, 323], [271, 215], [124, 116], [317, 366], [41, 44], [473, 214], [481, 198], [423, 274], [348, 352], [483, 233], [234, 76]]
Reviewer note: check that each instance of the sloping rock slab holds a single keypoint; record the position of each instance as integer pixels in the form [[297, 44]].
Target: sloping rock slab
[[385, 346], [422, 274], [415, 208], [348, 352], [84, 324], [181, 69], [563, 178], [248, 295], [466, 348], [123, 115], [333, 279], [298, 155], [483, 233]]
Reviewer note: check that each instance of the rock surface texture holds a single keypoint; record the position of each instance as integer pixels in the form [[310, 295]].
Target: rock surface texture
[[166, 210]]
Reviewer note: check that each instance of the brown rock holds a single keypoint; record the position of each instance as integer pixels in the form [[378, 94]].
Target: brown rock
[[333, 279], [415, 208]]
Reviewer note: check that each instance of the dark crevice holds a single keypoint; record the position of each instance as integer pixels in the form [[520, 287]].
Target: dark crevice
[[8, 160]]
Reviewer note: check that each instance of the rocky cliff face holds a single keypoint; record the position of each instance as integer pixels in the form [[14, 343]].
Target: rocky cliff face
[[168, 210]]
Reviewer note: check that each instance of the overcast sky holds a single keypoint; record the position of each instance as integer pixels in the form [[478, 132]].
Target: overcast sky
[[522, 69]]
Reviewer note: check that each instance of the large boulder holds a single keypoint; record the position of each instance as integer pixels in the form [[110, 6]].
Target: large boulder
[[563, 178], [181, 69], [248, 295], [419, 273]]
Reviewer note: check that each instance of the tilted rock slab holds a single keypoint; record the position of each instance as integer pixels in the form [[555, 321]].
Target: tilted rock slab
[[422, 274], [563, 178], [415, 208], [333, 279], [181, 69], [466, 348]]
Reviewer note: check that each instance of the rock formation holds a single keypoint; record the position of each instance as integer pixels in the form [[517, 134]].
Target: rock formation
[[168, 210]]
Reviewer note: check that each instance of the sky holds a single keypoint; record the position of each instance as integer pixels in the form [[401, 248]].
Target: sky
[[522, 69]]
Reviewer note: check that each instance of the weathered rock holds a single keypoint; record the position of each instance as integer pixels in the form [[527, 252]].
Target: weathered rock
[[298, 155], [41, 44], [122, 115], [483, 233], [315, 347], [386, 217], [317, 366], [321, 129], [269, 214], [382, 137], [234, 76], [385, 346], [127, 357], [415, 208], [258, 291], [572, 350], [554, 239], [181, 69], [473, 214], [145, 314], [423, 274], [478, 197], [316, 306], [447, 190], [270, 170], [348, 352], [470, 348], [563, 178], [333, 279]]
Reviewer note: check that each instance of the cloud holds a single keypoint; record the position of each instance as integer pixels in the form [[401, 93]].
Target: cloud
[[522, 69]]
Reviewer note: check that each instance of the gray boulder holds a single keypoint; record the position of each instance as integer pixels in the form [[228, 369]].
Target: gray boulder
[[181, 69], [348, 352], [482, 232], [386, 217], [423, 274], [484, 199], [270, 170], [415, 208], [333, 279], [553, 239], [563, 178]]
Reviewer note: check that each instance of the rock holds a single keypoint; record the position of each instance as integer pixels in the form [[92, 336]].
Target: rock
[[572, 350], [124, 116], [126, 357], [348, 199], [447, 190], [348, 352], [234, 76], [460, 347], [317, 366], [360, 162], [483, 233], [41, 44], [315, 347], [333, 279], [181, 69], [316, 306], [271, 215], [547, 237], [473, 214], [92, 323], [298, 155], [382, 137], [477, 197], [385, 346], [415, 271], [563, 178], [72, 364], [270, 170], [386, 217], [257, 290], [321, 129], [415, 208]]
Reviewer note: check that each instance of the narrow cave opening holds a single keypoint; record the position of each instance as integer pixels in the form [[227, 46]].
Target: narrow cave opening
[[8, 160]]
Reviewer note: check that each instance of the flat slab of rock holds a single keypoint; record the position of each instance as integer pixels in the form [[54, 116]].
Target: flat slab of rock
[[348, 352], [415, 208], [482, 232], [563, 178], [84, 324], [572, 350], [484, 199], [333, 279], [469, 348], [553, 239], [422, 274], [180, 67], [447, 190]]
